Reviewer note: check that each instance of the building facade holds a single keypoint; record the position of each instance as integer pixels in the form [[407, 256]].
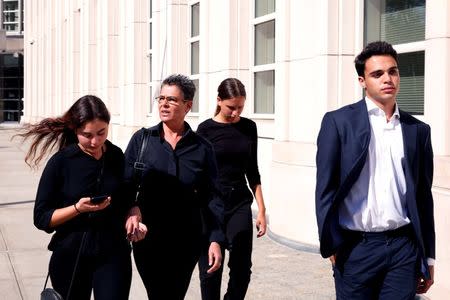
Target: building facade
[[295, 58]]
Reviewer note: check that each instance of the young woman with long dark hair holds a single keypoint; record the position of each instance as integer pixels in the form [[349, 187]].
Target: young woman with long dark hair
[[86, 165]]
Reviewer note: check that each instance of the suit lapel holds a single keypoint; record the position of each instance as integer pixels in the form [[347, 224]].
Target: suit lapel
[[357, 151], [360, 123]]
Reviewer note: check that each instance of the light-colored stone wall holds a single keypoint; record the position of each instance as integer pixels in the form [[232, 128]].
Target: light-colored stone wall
[[101, 47]]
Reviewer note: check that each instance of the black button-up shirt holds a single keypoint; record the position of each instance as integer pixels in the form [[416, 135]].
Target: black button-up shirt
[[179, 186], [71, 174]]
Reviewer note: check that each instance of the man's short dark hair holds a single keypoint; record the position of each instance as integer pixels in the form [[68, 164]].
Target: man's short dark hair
[[374, 48], [184, 83]]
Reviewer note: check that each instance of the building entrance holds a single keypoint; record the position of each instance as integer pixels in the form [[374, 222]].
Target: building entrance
[[11, 87]]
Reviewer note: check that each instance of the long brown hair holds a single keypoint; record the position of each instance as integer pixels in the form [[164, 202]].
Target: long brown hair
[[230, 88], [61, 131]]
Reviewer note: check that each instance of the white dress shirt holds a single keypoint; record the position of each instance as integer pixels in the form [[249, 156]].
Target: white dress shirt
[[376, 202]]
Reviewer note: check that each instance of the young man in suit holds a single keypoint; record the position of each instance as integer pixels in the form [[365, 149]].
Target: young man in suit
[[374, 205]]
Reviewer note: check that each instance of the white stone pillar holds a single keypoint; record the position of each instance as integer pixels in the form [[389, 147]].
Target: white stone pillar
[[205, 33], [283, 91], [437, 75]]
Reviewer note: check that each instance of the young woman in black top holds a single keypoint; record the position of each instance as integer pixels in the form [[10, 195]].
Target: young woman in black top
[[235, 144], [85, 166]]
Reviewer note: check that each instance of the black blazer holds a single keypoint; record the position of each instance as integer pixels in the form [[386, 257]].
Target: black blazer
[[342, 147]]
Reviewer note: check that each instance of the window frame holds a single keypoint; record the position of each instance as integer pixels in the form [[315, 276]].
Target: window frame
[[403, 48], [191, 40], [150, 84], [263, 67], [19, 22]]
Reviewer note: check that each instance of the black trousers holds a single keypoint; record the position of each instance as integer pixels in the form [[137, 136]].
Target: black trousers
[[239, 234], [109, 275], [165, 263], [377, 266]]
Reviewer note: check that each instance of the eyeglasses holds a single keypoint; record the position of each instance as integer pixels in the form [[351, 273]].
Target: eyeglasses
[[169, 99]]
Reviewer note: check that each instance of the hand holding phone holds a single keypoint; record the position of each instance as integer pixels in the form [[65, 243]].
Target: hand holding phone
[[98, 199]]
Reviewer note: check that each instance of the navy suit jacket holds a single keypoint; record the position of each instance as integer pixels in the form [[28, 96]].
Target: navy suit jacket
[[342, 148]]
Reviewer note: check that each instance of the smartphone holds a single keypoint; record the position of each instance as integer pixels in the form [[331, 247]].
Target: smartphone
[[98, 199]]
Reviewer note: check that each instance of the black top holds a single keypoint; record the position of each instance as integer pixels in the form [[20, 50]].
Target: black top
[[236, 147], [71, 174], [178, 190]]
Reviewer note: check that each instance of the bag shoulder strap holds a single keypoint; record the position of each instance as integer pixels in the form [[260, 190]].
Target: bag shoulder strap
[[46, 280], [139, 165], [76, 265], [74, 269]]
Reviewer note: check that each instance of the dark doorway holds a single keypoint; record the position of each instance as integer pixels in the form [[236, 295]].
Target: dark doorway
[[11, 87]]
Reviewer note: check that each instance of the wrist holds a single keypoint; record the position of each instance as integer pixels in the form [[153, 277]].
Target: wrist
[[135, 212], [76, 208]]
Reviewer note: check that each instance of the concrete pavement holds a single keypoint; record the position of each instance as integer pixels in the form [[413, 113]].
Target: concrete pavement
[[279, 272]]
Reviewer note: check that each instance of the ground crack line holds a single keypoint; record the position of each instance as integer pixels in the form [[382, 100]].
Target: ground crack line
[[10, 262]]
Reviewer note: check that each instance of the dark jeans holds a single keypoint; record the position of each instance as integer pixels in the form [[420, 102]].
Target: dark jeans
[[109, 275], [166, 263], [377, 266], [239, 233]]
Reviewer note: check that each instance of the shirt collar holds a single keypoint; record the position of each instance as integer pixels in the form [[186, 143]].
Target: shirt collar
[[187, 130], [373, 109]]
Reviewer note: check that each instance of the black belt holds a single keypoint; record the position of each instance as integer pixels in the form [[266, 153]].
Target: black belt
[[406, 230]]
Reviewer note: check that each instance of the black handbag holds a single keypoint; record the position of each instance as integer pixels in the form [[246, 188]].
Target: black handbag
[[49, 293]]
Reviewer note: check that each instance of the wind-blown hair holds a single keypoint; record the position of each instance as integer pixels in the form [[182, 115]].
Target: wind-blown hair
[[51, 133]]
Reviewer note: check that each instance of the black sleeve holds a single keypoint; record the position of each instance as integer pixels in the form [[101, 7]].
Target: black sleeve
[[327, 176], [425, 197], [48, 193], [215, 211], [202, 129], [122, 201], [252, 172]]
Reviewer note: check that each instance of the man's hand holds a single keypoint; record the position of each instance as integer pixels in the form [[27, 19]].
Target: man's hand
[[214, 257], [423, 284], [333, 259], [136, 231]]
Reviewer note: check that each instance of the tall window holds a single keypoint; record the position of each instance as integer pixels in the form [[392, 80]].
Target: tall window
[[150, 52], [11, 87], [194, 40], [401, 23], [12, 16], [264, 57]]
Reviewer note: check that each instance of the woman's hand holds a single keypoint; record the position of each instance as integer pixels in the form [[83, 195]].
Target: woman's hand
[[85, 205], [214, 257], [136, 230], [138, 234], [261, 224]]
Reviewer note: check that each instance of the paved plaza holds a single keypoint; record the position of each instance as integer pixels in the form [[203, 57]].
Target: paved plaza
[[279, 272]]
